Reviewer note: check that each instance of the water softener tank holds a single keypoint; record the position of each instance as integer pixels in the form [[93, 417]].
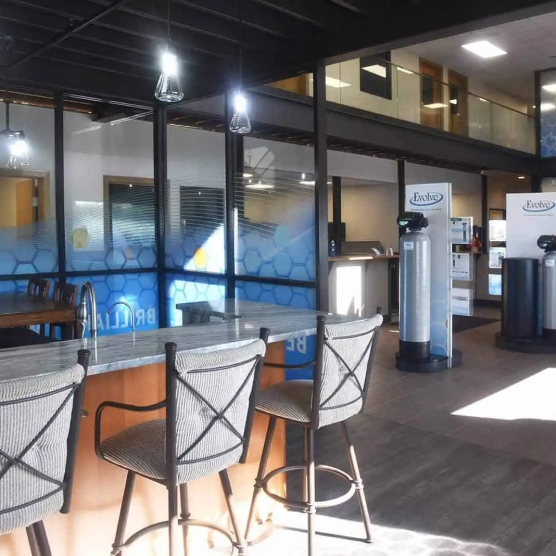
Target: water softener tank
[[548, 243], [415, 291]]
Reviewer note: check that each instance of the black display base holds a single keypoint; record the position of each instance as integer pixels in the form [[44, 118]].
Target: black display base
[[521, 345], [434, 364]]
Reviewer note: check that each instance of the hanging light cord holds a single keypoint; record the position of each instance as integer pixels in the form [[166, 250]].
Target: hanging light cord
[[168, 20], [240, 57]]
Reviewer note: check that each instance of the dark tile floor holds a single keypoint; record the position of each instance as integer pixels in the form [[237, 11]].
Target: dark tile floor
[[458, 463]]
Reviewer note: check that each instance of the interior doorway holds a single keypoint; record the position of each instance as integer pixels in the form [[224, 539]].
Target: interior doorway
[[25, 200], [432, 94], [459, 112]]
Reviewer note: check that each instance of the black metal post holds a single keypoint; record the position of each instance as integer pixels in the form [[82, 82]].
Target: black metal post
[[160, 156], [59, 185], [337, 212], [401, 189], [538, 116], [484, 211], [234, 195], [536, 184], [321, 185]]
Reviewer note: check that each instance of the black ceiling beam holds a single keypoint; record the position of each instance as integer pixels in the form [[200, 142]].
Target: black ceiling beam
[[325, 15], [256, 16], [67, 33], [364, 7]]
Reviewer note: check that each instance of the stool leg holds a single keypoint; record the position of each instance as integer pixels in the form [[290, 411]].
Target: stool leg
[[42, 539], [311, 510], [173, 522], [33, 544], [358, 482], [124, 512], [260, 474], [184, 502], [305, 475], [227, 488]]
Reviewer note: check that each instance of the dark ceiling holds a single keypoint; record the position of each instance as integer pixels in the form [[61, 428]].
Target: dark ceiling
[[106, 49]]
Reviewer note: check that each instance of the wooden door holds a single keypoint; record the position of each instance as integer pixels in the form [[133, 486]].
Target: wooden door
[[24, 202], [459, 112], [299, 85], [432, 94]]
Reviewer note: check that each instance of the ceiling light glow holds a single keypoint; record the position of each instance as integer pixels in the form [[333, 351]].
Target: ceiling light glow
[[484, 49], [436, 105], [377, 69], [403, 70], [550, 87], [547, 106], [336, 83]]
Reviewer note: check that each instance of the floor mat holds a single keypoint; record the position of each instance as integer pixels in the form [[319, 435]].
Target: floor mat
[[460, 323]]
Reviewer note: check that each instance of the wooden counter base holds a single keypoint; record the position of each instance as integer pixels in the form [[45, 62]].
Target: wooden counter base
[[98, 486]]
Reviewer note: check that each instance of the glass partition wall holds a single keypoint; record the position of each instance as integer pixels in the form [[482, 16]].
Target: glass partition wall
[[108, 217]]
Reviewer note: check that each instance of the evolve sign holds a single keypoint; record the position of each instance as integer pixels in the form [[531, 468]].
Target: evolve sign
[[427, 199], [529, 215], [541, 205]]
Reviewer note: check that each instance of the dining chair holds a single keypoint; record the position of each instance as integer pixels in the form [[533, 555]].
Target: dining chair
[[40, 417], [66, 294], [210, 406], [342, 368], [38, 287]]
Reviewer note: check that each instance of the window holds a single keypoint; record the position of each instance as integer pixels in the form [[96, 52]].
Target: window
[[376, 75]]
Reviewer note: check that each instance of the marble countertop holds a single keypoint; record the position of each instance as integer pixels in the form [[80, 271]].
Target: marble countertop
[[125, 351]]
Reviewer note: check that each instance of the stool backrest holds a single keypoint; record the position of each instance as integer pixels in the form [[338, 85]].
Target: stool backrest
[[344, 359], [39, 429], [210, 407]]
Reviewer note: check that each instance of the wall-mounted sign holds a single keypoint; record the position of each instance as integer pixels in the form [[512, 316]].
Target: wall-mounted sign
[[495, 256], [497, 230], [461, 230], [462, 267], [462, 302]]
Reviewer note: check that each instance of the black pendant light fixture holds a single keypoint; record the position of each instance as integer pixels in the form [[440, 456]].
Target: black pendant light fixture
[[168, 88], [240, 120], [17, 143]]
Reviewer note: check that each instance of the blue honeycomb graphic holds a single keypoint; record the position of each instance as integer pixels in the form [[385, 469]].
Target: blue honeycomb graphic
[[139, 290], [290, 296], [278, 252], [180, 289], [112, 258], [29, 249]]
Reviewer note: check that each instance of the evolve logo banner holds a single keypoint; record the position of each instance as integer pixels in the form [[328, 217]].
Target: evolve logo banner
[[529, 215], [434, 200], [423, 199]]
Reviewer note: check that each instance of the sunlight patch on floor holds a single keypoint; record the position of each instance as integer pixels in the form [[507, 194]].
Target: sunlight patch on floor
[[532, 398]]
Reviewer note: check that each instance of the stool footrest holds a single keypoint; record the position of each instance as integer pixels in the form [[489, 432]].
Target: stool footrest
[[182, 523], [301, 504]]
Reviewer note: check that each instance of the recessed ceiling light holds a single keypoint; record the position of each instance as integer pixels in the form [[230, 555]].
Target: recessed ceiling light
[[246, 175], [259, 186], [454, 101], [377, 69], [547, 106], [483, 99], [551, 87], [403, 70], [520, 177], [484, 49], [307, 182], [336, 83], [436, 105]]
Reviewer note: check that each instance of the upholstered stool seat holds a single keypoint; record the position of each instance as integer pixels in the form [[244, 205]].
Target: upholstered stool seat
[[342, 367], [291, 400], [210, 405]]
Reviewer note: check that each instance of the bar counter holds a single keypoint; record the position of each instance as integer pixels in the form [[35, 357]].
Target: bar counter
[[130, 368]]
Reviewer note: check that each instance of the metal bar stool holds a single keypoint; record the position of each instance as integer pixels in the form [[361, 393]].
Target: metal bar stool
[[40, 417], [342, 369], [210, 407]]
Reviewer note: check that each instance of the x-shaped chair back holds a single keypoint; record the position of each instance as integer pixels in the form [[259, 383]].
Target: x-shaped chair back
[[210, 407], [344, 359], [39, 419]]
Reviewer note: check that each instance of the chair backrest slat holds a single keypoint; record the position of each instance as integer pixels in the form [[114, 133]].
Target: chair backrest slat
[[344, 359], [38, 287], [39, 429], [214, 401]]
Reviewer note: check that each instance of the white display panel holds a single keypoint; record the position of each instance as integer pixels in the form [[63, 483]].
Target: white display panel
[[497, 230], [495, 256], [462, 267], [462, 302], [435, 202], [461, 230]]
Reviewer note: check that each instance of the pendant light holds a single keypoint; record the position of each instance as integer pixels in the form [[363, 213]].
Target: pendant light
[[240, 120], [17, 144], [168, 88]]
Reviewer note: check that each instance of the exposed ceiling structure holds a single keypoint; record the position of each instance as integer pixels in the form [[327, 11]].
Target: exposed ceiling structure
[[109, 49], [530, 45]]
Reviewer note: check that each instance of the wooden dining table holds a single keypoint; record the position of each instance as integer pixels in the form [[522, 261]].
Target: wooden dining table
[[22, 309]]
